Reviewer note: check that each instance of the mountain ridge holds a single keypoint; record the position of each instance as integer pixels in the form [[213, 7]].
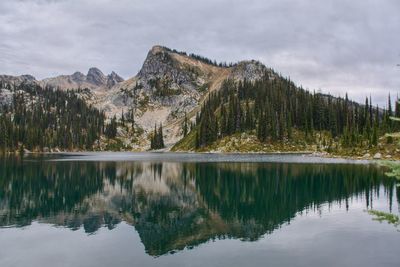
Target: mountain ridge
[[94, 80], [169, 87], [175, 89]]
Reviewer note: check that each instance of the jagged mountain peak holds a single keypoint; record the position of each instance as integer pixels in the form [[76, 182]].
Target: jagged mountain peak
[[113, 79], [78, 76], [96, 77], [174, 69], [188, 72], [94, 71], [114, 75], [159, 65]]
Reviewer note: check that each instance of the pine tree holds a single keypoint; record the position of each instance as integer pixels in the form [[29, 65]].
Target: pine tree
[[185, 126], [157, 138], [123, 118], [274, 108], [48, 118], [160, 137], [111, 128]]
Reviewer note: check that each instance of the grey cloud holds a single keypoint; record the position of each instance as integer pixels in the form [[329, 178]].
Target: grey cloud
[[333, 45]]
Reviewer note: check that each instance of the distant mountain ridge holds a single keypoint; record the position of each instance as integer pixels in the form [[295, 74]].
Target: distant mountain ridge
[[94, 80]]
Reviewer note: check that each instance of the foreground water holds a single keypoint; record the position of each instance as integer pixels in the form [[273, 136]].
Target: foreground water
[[126, 209]]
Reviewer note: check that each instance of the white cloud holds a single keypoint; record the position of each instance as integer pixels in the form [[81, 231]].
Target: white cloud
[[334, 45]]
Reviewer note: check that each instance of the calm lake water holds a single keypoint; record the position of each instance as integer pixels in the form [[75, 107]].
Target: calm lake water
[[159, 209]]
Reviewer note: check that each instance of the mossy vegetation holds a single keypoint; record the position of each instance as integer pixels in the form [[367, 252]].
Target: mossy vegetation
[[394, 169], [143, 102], [162, 87], [188, 143], [203, 88], [114, 145], [381, 216], [247, 142]]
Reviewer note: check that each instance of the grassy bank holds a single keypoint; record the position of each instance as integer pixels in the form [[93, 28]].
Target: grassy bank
[[248, 143]]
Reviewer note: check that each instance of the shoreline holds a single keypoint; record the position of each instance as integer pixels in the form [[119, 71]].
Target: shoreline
[[209, 157], [315, 154]]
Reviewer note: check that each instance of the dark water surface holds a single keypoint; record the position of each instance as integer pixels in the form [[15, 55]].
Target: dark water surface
[[152, 209]]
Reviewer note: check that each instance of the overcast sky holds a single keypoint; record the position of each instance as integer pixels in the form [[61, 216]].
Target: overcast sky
[[332, 46]]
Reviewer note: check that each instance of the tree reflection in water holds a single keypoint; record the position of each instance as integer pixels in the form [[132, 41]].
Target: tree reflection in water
[[175, 205]]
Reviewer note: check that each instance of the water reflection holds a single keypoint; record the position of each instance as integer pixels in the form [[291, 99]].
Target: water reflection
[[175, 205]]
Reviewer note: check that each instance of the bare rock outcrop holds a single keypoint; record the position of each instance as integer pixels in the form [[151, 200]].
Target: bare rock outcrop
[[162, 69], [250, 70], [16, 80]]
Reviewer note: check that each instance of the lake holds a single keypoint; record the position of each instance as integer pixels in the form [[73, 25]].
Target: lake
[[178, 209]]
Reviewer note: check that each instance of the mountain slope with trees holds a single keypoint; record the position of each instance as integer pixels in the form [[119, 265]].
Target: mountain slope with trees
[[44, 118], [275, 114], [202, 105]]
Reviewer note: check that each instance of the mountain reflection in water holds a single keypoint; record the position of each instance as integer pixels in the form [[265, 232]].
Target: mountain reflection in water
[[173, 205]]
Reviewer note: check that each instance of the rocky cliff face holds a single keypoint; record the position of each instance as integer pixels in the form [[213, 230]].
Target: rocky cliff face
[[6, 96], [8, 79], [163, 67]]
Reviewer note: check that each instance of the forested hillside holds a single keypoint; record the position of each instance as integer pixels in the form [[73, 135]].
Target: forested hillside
[[39, 118], [277, 111]]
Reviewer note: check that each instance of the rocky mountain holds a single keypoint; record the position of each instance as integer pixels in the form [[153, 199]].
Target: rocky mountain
[[94, 80], [6, 96], [169, 85], [8, 79], [113, 79]]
